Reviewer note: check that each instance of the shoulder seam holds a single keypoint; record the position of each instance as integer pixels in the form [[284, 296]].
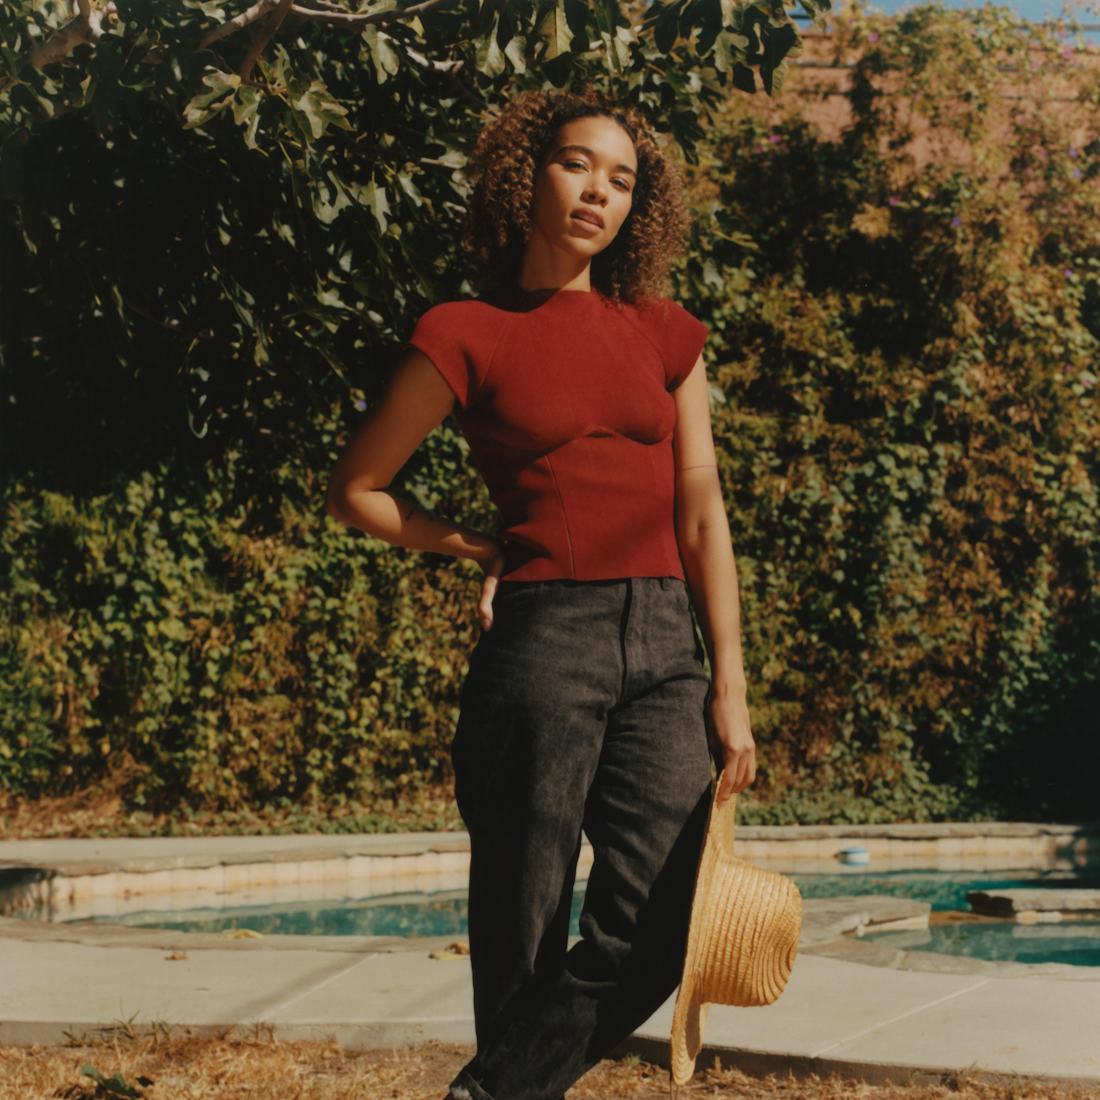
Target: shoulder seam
[[493, 353], [458, 302], [656, 347]]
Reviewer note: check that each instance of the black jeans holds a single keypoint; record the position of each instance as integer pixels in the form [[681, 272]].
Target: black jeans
[[582, 710]]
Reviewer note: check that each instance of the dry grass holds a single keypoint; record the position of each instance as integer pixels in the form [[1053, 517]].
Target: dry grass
[[95, 813], [161, 1065]]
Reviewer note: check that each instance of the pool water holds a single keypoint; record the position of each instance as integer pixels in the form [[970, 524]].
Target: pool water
[[444, 914], [1075, 942], [942, 889]]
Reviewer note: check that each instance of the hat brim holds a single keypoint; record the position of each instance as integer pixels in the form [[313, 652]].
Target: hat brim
[[688, 1018], [689, 1013]]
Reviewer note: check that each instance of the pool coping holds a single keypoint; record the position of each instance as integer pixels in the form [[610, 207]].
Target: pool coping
[[1038, 844]]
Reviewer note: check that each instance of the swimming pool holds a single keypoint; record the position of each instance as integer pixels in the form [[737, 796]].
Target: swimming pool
[[443, 913]]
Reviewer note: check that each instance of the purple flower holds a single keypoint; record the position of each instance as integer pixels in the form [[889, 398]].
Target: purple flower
[[956, 221], [774, 138], [893, 200], [1067, 52], [360, 404], [1067, 271], [1073, 152], [872, 36], [1076, 173]]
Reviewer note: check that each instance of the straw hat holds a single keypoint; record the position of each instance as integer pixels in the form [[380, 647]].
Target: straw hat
[[742, 939]]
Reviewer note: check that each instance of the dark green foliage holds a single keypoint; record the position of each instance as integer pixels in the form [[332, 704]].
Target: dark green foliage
[[909, 436], [904, 368]]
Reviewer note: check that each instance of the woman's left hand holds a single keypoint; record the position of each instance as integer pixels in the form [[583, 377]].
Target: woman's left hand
[[731, 743]]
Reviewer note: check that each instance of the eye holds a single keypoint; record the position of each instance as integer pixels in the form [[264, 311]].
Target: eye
[[581, 164]]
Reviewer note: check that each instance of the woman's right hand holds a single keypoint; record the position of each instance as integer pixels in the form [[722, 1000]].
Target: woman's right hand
[[493, 566]]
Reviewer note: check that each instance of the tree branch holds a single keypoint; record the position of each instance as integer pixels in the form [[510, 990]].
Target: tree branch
[[355, 19], [263, 38], [249, 15], [84, 28]]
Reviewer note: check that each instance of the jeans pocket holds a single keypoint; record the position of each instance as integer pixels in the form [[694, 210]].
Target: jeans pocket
[[513, 596], [696, 634], [700, 649]]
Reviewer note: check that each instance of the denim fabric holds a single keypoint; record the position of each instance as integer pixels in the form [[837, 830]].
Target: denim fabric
[[582, 710]]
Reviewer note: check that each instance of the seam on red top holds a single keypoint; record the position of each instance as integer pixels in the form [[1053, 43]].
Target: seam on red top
[[493, 353], [564, 516], [634, 324]]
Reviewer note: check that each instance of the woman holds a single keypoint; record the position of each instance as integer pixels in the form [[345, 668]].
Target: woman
[[586, 707]]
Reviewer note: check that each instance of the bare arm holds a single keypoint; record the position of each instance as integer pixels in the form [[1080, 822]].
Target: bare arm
[[415, 402], [703, 536]]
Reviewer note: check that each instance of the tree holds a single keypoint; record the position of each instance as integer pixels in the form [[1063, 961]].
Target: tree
[[237, 203]]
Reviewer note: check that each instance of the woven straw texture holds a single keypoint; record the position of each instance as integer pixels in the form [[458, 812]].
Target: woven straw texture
[[742, 940]]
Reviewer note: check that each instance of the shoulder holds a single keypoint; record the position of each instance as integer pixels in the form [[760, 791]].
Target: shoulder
[[448, 312], [677, 333], [667, 322], [458, 337], [663, 309], [460, 317]]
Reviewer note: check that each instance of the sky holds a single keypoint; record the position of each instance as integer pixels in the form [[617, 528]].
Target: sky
[[1032, 10], [1029, 9]]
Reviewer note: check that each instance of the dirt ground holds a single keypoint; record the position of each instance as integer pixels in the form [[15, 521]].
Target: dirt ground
[[161, 1065]]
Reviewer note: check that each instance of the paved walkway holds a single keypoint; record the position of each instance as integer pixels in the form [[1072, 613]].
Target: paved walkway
[[860, 1007]]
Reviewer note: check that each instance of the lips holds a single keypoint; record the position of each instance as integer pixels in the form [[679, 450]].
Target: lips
[[589, 216]]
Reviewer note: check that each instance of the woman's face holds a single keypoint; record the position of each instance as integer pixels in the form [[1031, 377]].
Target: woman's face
[[591, 167]]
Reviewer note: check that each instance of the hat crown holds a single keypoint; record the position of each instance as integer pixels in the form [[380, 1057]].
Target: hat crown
[[745, 951]]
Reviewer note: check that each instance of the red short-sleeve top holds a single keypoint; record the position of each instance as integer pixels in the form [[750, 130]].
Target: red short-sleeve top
[[566, 402]]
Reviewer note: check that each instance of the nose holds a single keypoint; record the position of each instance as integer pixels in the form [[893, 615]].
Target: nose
[[594, 193]]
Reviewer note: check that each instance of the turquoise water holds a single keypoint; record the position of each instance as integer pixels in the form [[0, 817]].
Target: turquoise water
[[444, 914], [1073, 942], [942, 889]]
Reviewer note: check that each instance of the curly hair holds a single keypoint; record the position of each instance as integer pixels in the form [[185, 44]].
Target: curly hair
[[502, 167]]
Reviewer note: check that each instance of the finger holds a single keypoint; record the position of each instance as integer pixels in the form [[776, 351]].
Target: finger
[[730, 776], [747, 773], [485, 613], [744, 772], [725, 786]]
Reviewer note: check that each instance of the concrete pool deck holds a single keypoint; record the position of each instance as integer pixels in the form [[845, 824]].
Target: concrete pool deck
[[863, 1008]]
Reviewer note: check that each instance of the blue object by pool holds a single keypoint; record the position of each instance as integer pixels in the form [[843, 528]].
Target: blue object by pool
[[854, 853]]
